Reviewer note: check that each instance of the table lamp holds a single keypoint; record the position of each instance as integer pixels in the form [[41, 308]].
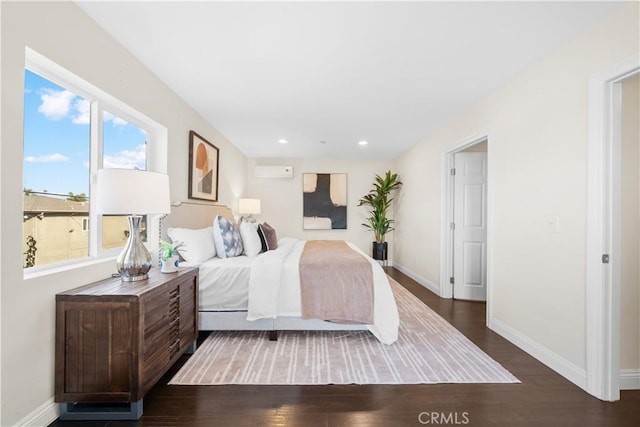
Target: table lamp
[[249, 207], [134, 193]]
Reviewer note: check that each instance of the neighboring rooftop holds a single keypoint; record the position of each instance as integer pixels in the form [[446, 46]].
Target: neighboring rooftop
[[34, 203]]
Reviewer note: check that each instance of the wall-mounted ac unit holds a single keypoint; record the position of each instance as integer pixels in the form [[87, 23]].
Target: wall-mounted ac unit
[[274, 171]]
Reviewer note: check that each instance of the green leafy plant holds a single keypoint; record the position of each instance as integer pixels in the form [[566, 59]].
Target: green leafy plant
[[379, 200], [30, 254], [167, 250]]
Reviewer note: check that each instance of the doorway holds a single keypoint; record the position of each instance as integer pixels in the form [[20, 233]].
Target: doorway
[[464, 272], [604, 230], [629, 234]]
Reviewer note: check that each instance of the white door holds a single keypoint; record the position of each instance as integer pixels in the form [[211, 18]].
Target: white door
[[470, 226]]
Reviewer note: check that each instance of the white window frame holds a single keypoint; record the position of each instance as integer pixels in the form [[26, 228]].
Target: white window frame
[[156, 154]]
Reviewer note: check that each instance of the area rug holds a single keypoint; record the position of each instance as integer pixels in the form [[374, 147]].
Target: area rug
[[429, 350]]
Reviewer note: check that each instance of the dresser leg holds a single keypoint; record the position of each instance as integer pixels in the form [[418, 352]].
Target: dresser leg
[[77, 411], [192, 348], [273, 335]]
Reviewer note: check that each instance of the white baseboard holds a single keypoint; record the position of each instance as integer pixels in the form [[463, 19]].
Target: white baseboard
[[559, 364], [423, 281], [629, 379], [43, 415]]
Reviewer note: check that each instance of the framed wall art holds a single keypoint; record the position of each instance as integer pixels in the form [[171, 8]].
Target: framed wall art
[[324, 201], [203, 168]]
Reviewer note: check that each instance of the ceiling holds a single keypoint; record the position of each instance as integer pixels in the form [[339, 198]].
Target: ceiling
[[326, 75]]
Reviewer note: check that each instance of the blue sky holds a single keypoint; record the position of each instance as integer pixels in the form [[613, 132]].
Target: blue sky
[[56, 139]]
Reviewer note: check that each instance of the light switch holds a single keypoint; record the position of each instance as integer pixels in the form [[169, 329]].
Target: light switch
[[553, 222]]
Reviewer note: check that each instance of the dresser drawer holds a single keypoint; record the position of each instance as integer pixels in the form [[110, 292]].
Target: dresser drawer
[[114, 340]]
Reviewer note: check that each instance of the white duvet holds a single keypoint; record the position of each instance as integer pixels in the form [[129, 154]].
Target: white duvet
[[274, 289]]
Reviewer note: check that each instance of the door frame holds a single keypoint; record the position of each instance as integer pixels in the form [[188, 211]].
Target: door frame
[[603, 230], [446, 217]]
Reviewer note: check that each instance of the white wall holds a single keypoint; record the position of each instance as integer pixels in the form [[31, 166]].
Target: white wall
[[282, 198], [537, 128], [630, 182], [64, 34]]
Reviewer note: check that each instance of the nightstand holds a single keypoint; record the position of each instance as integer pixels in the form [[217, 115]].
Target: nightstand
[[114, 340]]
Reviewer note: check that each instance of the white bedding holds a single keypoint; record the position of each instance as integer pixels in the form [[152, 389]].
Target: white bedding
[[274, 289], [224, 284], [268, 286]]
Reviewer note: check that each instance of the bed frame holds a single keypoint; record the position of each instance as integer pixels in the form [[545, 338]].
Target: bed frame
[[200, 215]]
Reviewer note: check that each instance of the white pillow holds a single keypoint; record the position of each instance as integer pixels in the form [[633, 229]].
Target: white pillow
[[250, 238], [226, 238], [197, 244]]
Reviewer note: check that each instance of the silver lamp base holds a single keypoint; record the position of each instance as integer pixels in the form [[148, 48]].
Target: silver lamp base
[[134, 262]]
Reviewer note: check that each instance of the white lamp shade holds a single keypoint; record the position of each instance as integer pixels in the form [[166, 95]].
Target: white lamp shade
[[130, 191], [249, 206]]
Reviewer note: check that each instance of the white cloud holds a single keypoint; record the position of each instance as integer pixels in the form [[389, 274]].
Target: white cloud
[[46, 158], [115, 120], [127, 159], [59, 104], [82, 110], [55, 103]]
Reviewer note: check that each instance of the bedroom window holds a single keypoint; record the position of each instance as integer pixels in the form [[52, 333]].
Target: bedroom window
[[57, 142], [125, 147], [72, 129]]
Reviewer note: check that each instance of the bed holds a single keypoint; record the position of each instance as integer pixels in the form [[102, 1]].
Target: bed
[[263, 292]]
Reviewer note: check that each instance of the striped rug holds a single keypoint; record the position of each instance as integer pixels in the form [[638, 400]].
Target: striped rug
[[429, 350]]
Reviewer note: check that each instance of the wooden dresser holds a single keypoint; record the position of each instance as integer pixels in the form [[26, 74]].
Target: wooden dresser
[[114, 339]]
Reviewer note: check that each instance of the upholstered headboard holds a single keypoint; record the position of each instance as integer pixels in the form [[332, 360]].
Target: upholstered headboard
[[192, 215]]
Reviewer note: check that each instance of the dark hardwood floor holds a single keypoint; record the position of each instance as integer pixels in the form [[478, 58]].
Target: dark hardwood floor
[[544, 398]]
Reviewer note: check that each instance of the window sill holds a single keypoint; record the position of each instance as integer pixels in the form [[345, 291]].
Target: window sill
[[73, 266]]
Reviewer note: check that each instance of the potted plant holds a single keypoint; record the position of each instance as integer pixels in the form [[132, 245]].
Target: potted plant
[[168, 256], [379, 200]]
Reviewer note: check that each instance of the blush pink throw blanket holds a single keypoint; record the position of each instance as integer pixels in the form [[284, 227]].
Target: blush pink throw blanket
[[336, 283]]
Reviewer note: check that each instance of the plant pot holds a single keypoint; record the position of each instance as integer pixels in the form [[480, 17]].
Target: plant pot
[[169, 265], [379, 251]]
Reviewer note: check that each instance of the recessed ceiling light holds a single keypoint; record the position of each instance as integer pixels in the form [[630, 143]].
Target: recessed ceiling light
[[282, 141], [363, 143]]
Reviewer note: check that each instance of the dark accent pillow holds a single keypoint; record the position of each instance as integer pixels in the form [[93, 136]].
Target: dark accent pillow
[[268, 237], [263, 241]]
